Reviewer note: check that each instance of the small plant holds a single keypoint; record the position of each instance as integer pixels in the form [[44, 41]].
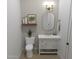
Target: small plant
[[29, 33], [31, 18]]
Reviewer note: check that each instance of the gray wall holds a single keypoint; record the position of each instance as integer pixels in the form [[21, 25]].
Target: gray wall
[[14, 40], [64, 14]]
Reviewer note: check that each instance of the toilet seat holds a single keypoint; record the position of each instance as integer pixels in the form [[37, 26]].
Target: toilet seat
[[29, 47]]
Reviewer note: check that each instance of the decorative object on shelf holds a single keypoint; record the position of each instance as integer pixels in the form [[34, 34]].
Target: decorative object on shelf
[[24, 21], [31, 18]]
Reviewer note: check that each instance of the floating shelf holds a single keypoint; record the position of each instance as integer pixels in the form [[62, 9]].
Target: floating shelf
[[48, 51], [29, 24]]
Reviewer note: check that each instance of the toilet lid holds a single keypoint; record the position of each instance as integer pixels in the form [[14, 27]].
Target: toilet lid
[[29, 47]]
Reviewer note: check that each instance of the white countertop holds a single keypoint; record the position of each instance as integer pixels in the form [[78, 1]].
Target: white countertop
[[49, 37]]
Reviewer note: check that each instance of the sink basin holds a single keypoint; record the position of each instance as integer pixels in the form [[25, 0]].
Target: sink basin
[[49, 36]]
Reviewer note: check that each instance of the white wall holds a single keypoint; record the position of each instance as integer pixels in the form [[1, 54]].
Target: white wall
[[36, 7], [14, 40], [64, 13]]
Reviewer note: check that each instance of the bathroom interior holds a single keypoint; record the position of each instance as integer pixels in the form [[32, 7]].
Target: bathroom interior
[[39, 29]]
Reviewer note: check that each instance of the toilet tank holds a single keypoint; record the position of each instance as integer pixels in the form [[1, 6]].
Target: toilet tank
[[29, 40]]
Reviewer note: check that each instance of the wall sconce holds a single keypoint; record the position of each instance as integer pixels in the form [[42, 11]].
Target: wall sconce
[[49, 5]]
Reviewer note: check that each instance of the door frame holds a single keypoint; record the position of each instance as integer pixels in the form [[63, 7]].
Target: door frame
[[69, 34]]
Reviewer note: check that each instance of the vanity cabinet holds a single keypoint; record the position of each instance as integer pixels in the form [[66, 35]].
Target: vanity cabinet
[[48, 45]]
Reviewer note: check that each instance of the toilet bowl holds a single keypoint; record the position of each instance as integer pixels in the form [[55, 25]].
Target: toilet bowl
[[29, 49], [29, 46]]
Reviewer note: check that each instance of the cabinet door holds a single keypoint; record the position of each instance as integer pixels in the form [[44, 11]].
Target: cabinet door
[[47, 44], [42, 44]]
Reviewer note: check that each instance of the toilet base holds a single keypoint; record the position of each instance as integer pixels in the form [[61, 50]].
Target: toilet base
[[29, 54], [29, 49]]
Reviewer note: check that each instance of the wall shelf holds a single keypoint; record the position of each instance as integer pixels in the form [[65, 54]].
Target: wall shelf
[[29, 24]]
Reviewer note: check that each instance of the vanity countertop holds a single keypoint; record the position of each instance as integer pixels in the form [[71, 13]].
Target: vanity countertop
[[49, 37]]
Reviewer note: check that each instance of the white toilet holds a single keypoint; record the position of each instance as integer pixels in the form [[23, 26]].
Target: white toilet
[[29, 46]]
